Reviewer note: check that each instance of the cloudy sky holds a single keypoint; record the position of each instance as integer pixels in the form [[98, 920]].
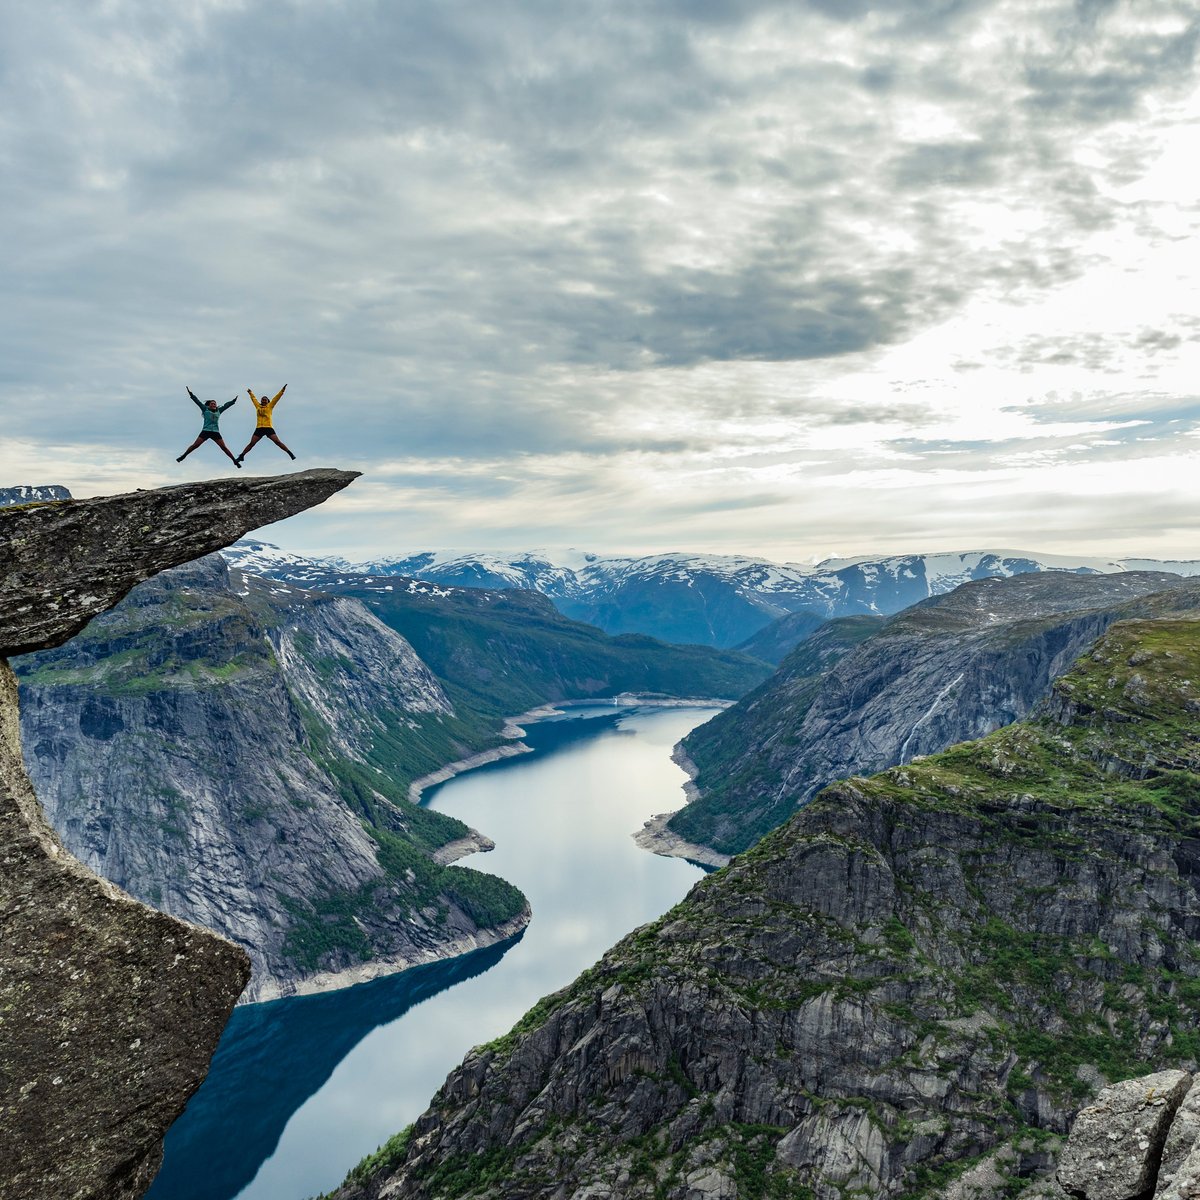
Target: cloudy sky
[[792, 279]]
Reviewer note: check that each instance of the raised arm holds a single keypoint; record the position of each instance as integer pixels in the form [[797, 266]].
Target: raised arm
[[195, 399], [278, 395], [229, 405], [253, 397]]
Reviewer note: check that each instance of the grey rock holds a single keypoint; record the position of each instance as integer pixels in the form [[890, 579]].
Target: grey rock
[[109, 1011], [61, 564], [1181, 1139], [863, 694], [1116, 1144], [193, 745], [1185, 1182]]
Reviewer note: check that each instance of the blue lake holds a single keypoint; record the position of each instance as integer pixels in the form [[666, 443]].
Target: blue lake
[[301, 1089]]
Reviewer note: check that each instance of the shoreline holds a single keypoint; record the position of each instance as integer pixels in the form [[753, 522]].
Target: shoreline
[[652, 838], [513, 730], [464, 764], [332, 981], [655, 837]]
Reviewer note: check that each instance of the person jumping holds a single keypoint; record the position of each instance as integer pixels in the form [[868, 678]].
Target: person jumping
[[212, 429], [263, 428]]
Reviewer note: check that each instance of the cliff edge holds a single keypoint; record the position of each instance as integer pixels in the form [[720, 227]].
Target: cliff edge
[[109, 1011]]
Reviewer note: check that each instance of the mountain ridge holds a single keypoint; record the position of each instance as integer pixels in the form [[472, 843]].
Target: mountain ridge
[[718, 600], [864, 693], [920, 969]]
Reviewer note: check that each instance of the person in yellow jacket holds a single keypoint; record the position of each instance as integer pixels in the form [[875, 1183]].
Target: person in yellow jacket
[[263, 427]]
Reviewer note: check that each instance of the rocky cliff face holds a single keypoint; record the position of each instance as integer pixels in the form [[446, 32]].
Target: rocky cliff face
[[861, 694], [236, 752], [919, 972], [109, 1011]]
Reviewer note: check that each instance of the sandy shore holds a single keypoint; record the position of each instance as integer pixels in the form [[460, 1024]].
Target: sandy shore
[[464, 764], [658, 839]]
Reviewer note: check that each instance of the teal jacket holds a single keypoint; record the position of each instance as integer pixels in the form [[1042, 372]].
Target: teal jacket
[[211, 417]]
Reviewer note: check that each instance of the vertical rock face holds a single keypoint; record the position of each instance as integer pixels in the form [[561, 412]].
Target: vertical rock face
[[109, 1011], [921, 977], [861, 695], [236, 751]]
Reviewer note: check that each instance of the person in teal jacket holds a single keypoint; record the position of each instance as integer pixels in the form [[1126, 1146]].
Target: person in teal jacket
[[212, 428]]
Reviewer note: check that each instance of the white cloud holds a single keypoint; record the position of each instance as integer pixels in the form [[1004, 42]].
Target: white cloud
[[710, 275]]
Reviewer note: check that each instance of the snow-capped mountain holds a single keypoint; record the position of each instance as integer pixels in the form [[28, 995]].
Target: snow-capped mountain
[[32, 494], [711, 599], [268, 561], [532, 569]]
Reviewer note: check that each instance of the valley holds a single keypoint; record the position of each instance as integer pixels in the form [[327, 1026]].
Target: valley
[[919, 969], [942, 820]]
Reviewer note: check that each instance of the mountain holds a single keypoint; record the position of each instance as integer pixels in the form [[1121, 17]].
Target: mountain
[[712, 600], [255, 743], [265, 559], [237, 752], [532, 569], [110, 1009], [33, 494], [505, 651], [921, 974], [774, 642], [857, 698]]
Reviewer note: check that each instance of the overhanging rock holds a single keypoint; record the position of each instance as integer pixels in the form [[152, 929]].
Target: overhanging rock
[[109, 1010]]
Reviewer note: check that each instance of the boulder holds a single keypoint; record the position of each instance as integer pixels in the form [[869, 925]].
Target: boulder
[[1116, 1144]]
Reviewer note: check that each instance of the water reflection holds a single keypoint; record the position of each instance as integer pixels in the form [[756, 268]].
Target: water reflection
[[301, 1089], [272, 1058]]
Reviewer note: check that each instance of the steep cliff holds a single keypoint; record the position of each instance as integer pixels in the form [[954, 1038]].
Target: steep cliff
[[500, 652], [237, 752], [109, 1011], [861, 694], [918, 969]]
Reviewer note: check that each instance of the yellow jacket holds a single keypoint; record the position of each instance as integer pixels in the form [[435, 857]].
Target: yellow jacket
[[265, 407]]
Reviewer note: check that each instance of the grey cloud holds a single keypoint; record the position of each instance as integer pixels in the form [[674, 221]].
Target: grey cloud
[[1065, 84], [957, 163], [417, 214]]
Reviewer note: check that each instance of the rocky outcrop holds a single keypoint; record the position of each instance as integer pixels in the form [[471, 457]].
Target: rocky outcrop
[[237, 752], [1141, 1137], [64, 563], [862, 694], [910, 988], [1116, 1144], [109, 1011]]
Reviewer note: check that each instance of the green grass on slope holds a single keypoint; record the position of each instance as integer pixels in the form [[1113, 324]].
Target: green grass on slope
[[1104, 785], [503, 656], [405, 834], [735, 779]]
